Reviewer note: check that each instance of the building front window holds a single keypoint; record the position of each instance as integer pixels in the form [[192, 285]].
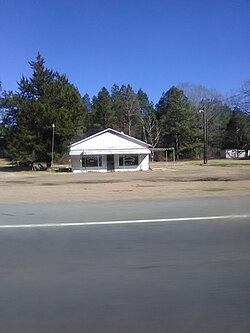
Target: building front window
[[92, 161], [128, 160]]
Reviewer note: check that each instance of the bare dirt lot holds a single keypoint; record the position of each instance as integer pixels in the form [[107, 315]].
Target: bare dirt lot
[[186, 179]]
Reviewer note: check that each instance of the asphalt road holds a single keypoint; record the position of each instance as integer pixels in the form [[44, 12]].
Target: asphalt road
[[169, 276]]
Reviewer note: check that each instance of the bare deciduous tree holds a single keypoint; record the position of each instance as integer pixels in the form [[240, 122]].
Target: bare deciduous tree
[[151, 128]]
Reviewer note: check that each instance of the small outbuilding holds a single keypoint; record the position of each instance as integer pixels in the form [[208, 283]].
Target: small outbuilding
[[234, 153], [109, 150]]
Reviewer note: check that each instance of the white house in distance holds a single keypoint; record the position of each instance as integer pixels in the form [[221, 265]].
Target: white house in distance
[[109, 150]]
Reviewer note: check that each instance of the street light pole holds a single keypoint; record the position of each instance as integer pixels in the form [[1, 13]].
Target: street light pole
[[52, 146]]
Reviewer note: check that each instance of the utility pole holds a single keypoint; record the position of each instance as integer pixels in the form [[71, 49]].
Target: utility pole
[[52, 146], [205, 133], [237, 142]]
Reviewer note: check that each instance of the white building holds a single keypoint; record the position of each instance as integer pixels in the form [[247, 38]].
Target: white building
[[109, 150], [234, 153]]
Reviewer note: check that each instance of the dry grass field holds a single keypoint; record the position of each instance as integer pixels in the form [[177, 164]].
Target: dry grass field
[[186, 179]]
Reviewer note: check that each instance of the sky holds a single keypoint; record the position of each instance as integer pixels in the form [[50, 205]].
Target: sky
[[149, 44]]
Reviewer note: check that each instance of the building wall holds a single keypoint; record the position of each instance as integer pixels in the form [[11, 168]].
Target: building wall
[[143, 164], [77, 166]]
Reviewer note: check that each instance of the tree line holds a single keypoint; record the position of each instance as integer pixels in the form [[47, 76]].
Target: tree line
[[47, 97]]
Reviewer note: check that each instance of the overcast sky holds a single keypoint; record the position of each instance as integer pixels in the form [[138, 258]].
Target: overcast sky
[[150, 44]]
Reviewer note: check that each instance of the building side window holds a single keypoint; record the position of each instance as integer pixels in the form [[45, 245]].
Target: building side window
[[128, 160], [92, 161]]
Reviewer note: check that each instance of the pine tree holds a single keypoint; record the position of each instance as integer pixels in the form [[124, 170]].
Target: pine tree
[[179, 123], [103, 115], [237, 134], [44, 99], [117, 107]]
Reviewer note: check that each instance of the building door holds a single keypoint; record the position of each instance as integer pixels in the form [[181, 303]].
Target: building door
[[110, 163]]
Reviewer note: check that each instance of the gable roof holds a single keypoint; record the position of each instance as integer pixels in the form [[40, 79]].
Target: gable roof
[[114, 132]]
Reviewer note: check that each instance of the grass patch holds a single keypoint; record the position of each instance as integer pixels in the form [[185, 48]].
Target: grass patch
[[212, 162], [229, 163], [5, 163]]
